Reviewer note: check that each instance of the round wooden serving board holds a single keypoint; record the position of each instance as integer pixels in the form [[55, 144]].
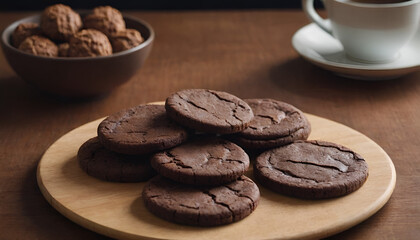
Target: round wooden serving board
[[117, 209]]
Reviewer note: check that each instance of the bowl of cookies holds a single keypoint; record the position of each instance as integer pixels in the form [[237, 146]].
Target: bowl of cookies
[[77, 53]]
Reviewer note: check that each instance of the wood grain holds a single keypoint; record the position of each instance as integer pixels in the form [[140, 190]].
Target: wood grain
[[247, 53], [117, 209]]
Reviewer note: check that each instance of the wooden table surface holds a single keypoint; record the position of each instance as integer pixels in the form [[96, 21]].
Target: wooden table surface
[[247, 53]]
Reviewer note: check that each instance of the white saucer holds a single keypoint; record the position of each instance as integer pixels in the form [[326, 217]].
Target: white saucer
[[321, 49]]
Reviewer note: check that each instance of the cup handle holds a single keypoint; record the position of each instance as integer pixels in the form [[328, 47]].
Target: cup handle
[[308, 8]]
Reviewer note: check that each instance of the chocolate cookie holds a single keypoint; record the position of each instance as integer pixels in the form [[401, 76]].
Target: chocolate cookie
[[59, 22], [24, 30], [275, 123], [39, 46], [89, 43], [209, 111], [140, 130], [105, 19], [207, 161], [126, 39], [63, 50], [200, 206], [102, 163], [311, 170]]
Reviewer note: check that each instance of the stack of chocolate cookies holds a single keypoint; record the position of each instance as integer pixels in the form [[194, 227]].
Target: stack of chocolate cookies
[[289, 164], [197, 145], [125, 141], [202, 181]]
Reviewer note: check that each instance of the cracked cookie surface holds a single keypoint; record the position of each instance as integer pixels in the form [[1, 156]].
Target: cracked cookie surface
[[311, 170], [202, 161], [209, 111], [275, 123], [140, 130], [201, 206], [104, 164]]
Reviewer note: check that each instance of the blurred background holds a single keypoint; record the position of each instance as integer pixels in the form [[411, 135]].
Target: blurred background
[[154, 4]]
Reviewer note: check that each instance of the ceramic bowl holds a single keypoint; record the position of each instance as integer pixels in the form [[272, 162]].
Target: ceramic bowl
[[78, 76]]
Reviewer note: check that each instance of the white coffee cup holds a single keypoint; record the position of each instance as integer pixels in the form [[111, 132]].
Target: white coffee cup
[[369, 32]]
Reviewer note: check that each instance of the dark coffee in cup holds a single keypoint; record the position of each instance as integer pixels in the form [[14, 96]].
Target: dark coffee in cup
[[379, 1]]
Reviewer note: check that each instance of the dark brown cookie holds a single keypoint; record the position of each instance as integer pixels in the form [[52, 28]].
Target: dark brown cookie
[[126, 39], [258, 144], [105, 19], [102, 163], [200, 206], [207, 161], [89, 43], [39, 46], [209, 111], [24, 30], [275, 124], [140, 130], [59, 22], [311, 170], [63, 50]]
